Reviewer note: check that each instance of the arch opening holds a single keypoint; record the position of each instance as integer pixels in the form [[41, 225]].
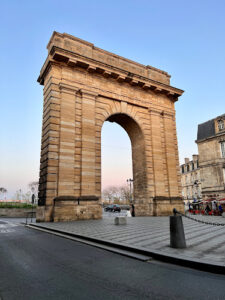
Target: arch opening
[[116, 156], [136, 137]]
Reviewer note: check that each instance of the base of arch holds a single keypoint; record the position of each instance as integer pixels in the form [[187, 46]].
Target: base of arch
[[70, 208], [163, 206]]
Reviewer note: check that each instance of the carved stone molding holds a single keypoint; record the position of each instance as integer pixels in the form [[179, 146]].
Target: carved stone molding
[[163, 113], [88, 94], [70, 89]]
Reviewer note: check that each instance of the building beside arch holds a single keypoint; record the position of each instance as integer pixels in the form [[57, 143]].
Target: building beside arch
[[211, 149], [84, 86], [191, 179]]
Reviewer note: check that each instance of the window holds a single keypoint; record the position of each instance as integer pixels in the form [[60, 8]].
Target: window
[[220, 125], [222, 144], [193, 166], [182, 169], [187, 168]]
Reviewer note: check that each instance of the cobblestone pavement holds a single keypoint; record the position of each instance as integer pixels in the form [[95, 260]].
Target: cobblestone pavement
[[205, 243]]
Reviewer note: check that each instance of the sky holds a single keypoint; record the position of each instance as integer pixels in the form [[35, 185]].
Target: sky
[[184, 38]]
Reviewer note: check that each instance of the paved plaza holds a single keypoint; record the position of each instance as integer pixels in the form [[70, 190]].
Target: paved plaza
[[205, 243]]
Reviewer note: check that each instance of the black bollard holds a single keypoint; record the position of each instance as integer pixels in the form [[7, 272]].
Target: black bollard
[[177, 237]]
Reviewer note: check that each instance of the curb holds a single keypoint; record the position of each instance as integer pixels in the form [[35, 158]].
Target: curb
[[157, 255]]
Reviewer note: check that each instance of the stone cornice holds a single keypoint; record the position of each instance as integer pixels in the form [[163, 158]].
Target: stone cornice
[[63, 56], [219, 136], [59, 38], [60, 54]]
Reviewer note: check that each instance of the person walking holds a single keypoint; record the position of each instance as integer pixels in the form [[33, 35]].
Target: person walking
[[220, 210], [214, 207], [132, 210], [207, 209]]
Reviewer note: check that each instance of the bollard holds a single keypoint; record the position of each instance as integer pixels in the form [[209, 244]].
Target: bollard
[[177, 237], [120, 221]]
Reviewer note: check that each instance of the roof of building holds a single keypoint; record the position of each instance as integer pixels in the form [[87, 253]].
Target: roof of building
[[207, 129]]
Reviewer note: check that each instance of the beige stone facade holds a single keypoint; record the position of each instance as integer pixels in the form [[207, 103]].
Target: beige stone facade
[[84, 86], [211, 149], [191, 179]]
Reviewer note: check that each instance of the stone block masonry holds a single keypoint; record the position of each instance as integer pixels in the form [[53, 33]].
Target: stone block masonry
[[84, 86]]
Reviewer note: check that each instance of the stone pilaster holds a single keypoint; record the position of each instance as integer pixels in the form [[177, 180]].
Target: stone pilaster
[[49, 149], [171, 155], [67, 140], [157, 152], [88, 153]]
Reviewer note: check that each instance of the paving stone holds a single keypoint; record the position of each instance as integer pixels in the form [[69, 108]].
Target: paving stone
[[204, 242]]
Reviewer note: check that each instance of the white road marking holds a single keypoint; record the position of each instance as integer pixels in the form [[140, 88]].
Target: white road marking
[[6, 230], [7, 227]]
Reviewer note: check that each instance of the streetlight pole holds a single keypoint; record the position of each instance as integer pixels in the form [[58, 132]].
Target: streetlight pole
[[129, 181], [20, 195]]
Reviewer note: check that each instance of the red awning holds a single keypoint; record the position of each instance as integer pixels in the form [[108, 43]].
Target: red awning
[[209, 200]]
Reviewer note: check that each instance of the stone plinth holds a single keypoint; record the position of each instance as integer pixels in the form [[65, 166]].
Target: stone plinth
[[120, 220]]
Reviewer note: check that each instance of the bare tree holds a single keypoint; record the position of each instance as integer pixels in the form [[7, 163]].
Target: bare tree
[[116, 194], [18, 195], [110, 194], [33, 186], [125, 194], [3, 191]]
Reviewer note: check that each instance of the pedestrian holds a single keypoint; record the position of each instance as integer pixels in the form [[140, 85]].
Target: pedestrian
[[220, 210], [189, 205], [207, 209], [132, 210], [214, 207], [128, 214]]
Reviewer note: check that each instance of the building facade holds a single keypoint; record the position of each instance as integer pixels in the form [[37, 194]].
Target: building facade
[[211, 149], [191, 179]]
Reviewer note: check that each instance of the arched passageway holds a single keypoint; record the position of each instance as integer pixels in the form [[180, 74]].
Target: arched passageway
[[138, 153], [84, 86], [116, 160]]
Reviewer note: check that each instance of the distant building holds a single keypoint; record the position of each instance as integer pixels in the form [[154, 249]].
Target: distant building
[[211, 149], [190, 179]]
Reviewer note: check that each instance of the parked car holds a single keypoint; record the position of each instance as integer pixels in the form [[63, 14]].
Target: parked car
[[113, 208], [108, 208]]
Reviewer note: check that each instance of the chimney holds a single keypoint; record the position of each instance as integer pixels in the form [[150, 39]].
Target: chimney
[[186, 160], [195, 157]]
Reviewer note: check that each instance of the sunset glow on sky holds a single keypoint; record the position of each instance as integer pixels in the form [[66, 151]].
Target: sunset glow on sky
[[183, 38]]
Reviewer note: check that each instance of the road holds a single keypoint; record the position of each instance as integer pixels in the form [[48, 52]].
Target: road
[[38, 265]]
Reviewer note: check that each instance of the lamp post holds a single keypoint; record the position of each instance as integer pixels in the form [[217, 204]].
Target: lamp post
[[129, 181], [20, 195], [32, 212]]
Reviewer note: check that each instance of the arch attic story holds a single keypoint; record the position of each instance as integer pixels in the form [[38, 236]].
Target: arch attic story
[[84, 86]]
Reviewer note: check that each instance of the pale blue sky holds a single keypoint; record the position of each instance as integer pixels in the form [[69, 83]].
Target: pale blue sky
[[184, 38]]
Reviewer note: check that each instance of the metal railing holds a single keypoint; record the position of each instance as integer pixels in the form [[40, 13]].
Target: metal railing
[[196, 220], [31, 214]]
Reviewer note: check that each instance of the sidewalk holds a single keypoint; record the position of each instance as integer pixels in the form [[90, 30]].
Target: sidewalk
[[205, 243]]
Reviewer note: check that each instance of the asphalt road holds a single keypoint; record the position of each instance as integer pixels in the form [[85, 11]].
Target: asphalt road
[[37, 265]]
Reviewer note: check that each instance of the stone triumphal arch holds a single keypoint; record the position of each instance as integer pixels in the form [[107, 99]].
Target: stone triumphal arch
[[84, 86]]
